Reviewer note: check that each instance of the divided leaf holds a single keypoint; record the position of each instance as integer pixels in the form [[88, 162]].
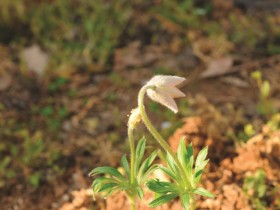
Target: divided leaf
[[185, 156], [108, 170], [189, 166], [143, 179], [168, 172], [139, 153], [203, 192], [182, 152], [140, 192], [146, 164], [125, 165], [107, 186], [189, 151], [185, 200], [96, 184], [162, 187], [165, 191], [200, 164], [201, 157], [199, 170], [119, 182], [173, 167], [163, 199]]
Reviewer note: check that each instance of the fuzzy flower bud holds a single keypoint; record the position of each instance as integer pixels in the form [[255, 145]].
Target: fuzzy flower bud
[[134, 118], [165, 90]]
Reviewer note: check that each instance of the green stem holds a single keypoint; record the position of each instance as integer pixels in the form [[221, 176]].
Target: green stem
[[192, 201], [132, 200], [132, 155], [132, 166], [132, 206], [156, 134]]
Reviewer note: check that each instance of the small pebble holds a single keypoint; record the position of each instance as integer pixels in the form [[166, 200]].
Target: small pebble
[[165, 125], [65, 197]]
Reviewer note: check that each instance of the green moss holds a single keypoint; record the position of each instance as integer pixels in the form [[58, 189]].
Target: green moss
[[82, 33]]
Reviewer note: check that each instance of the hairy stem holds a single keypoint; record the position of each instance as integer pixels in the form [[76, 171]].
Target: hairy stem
[[132, 196], [133, 206], [132, 201], [132, 155], [156, 134], [192, 202]]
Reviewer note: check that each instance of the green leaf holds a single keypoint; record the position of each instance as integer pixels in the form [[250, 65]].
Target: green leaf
[[168, 172], [107, 170], [100, 180], [185, 200], [189, 152], [189, 168], [109, 192], [185, 156], [199, 170], [140, 193], [197, 176], [147, 173], [146, 164], [163, 199], [162, 187], [140, 149], [182, 152], [35, 178], [47, 111], [96, 184], [201, 157], [125, 165], [202, 165], [107, 186], [190, 160], [261, 191], [157, 195], [173, 167], [203, 192]]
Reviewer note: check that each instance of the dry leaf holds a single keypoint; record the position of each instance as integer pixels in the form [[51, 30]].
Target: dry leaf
[[5, 82], [235, 81], [35, 59], [218, 67], [133, 56]]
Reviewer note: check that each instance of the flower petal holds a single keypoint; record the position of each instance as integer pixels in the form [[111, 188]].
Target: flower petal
[[163, 98], [172, 91], [166, 80]]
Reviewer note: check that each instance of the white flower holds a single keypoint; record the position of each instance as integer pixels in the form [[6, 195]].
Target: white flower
[[165, 90]]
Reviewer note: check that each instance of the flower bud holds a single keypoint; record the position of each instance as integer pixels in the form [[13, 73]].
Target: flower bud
[[134, 118]]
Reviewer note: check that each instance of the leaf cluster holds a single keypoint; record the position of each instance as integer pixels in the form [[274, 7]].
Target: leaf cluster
[[114, 180], [180, 187], [255, 188]]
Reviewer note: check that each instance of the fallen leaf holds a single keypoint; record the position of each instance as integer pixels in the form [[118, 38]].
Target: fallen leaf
[[134, 56], [35, 59], [5, 82], [235, 81], [218, 67]]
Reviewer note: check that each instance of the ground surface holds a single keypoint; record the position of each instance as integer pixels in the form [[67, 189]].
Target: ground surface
[[56, 128]]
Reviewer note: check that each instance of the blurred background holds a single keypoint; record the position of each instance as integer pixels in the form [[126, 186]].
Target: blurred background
[[70, 71]]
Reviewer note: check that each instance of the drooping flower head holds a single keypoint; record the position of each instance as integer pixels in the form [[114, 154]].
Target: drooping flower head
[[165, 90]]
